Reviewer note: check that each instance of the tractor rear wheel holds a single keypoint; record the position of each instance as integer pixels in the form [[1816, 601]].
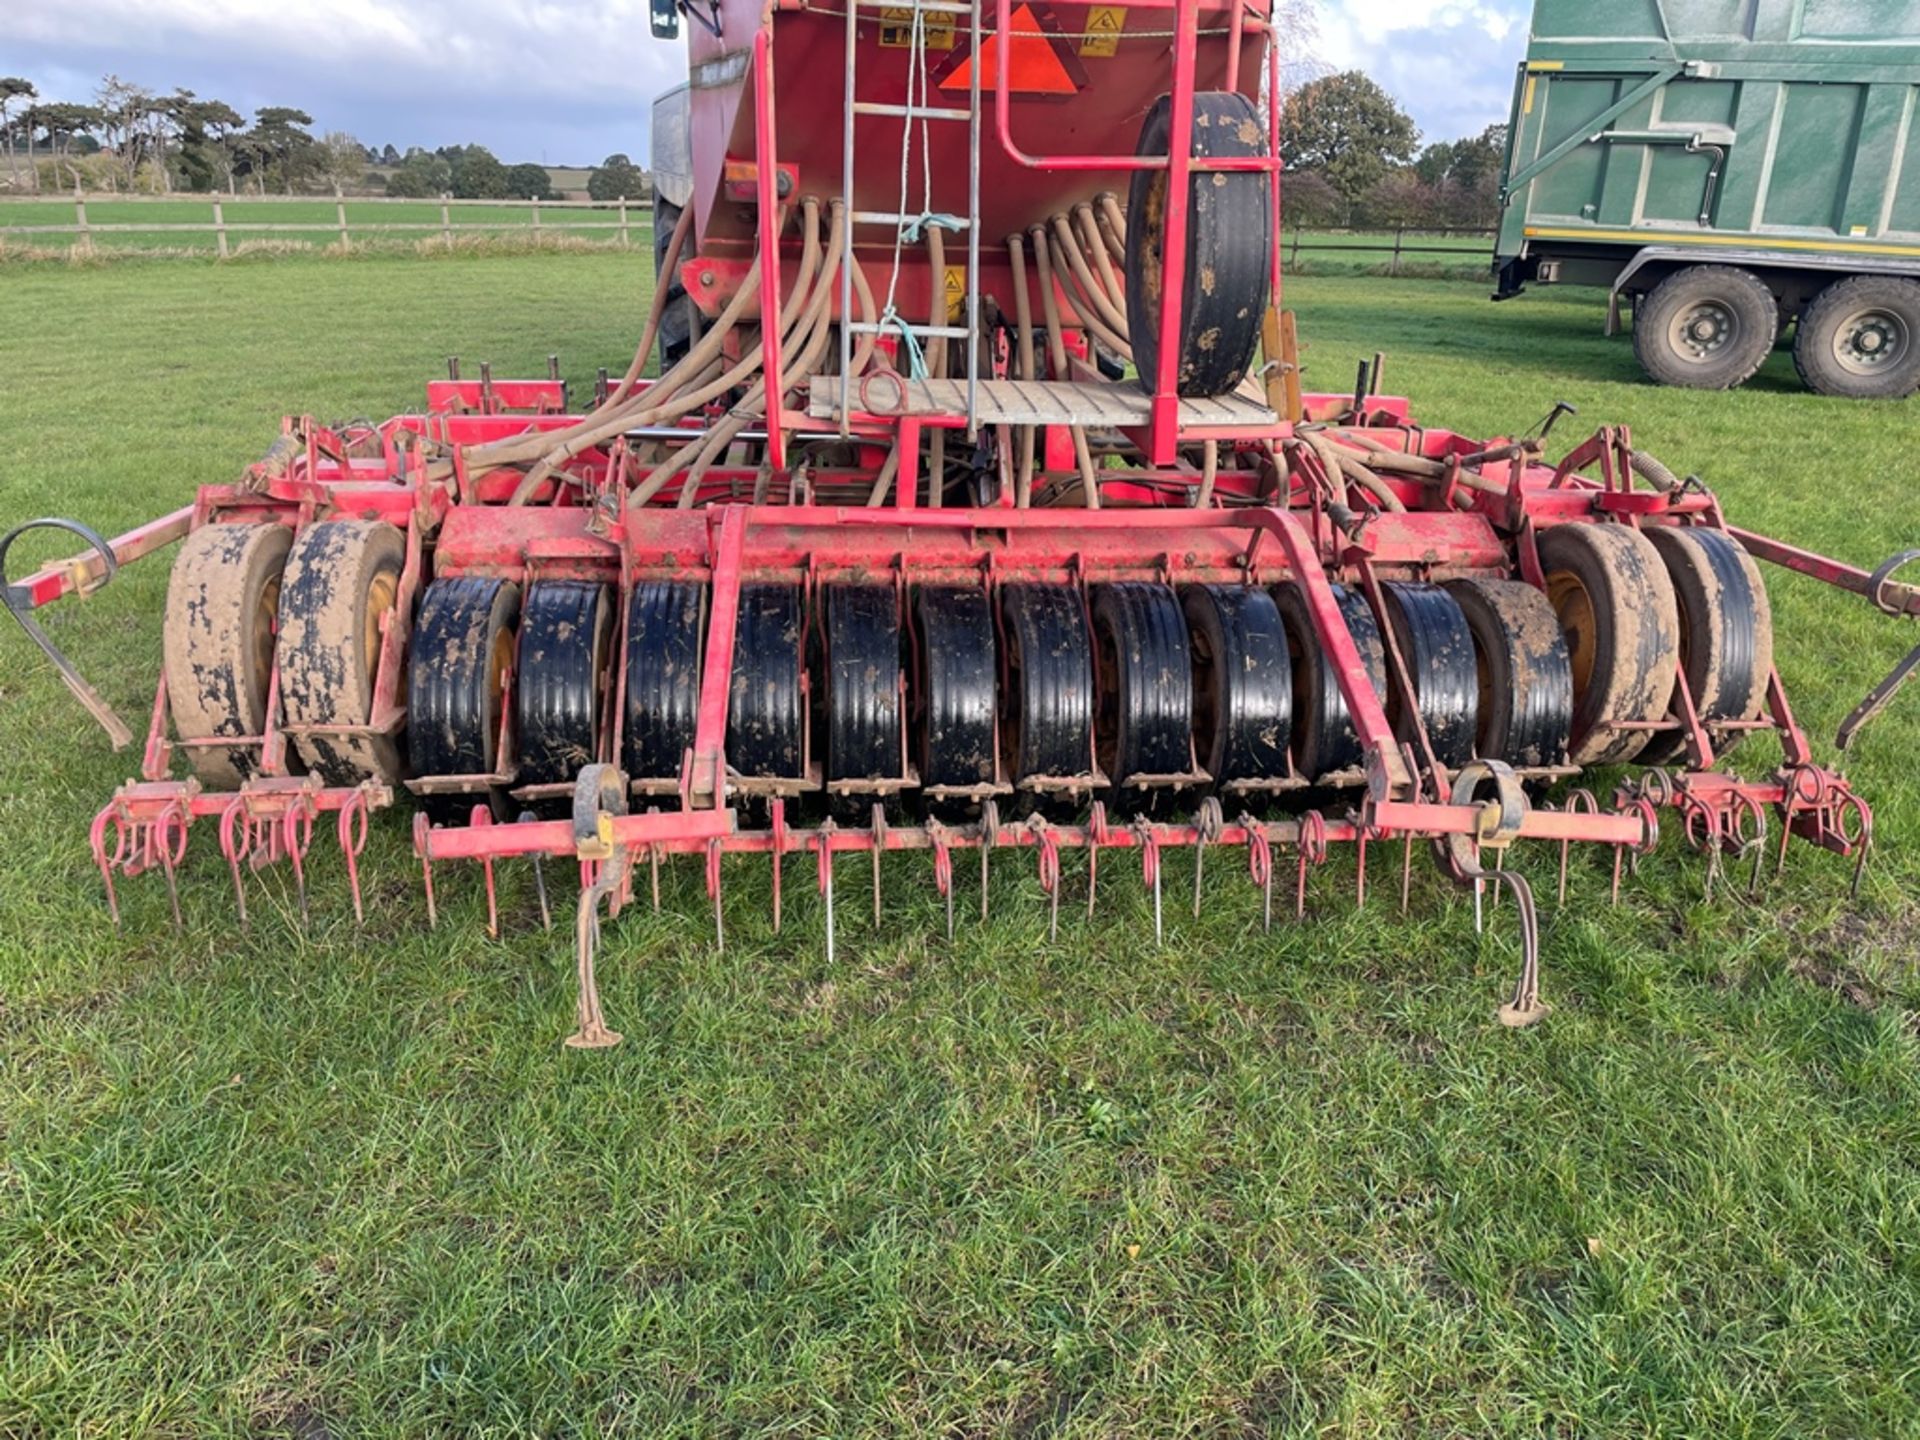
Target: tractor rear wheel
[[1229, 248], [1707, 327], [223, 602], [676, 315], [342, 582], [1616, 608]]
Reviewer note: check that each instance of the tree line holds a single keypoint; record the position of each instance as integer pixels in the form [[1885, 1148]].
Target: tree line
[[1354, 158], [133, 139]]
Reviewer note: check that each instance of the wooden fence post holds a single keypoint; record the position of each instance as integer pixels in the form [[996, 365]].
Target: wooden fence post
[[340, 213], [446, 222], [1393, 265], [625, 243], [220, 227], [80, 219], [536, 216]]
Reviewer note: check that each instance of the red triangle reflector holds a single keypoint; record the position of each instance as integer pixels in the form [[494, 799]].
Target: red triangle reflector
[[1040, 59]]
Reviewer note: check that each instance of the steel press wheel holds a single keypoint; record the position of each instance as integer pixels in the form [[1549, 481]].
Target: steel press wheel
[[1046, 693], [457, 672], [566, 629], [862, 673], [1242, 682], [342, 582], [223, 601], [1726, 629], [1525, 677], [1143, 715], [766, 737], [1616, 608], [1229, 248], [666, 622], [1324, 740], [956, 686], [1437, 644]]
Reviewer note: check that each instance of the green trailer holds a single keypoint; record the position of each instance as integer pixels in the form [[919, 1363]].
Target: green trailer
[[1726, 168]]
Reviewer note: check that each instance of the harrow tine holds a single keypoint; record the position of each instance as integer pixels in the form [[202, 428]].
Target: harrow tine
[[825, 845], [421, 828], [1048, 851], [172, 822], [296, 830], [527, 817], [350, 828], [1150, 870], [234, 846], [1209, 824], [481, 817], [598, 790], [1406, 873], [1260, 866], [713, 892], [778, 853], [989, 837], [109, 814], [879, 845], [1097, 825], [942, 870]]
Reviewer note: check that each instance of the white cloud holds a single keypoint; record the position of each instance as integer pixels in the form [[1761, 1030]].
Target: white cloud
[[1449, 62]]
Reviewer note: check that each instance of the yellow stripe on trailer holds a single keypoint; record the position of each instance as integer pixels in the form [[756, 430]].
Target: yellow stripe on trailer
[[1758, 242]]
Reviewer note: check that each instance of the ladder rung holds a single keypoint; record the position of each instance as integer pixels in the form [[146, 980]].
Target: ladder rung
[[938, 332], [911, 112], [889, 217]]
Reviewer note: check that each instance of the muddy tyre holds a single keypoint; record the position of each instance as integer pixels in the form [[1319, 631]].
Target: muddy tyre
[[1726, 631], [462, 654], [1325, 741], [342, 581], [1860, 339], [1707, 327], [1616, 608], [223, 601], [1526, 679]]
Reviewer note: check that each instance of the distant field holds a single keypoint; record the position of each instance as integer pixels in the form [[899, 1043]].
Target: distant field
[[364, 219], [317, 1180]]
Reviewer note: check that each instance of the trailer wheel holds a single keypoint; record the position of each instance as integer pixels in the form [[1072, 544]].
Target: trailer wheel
[[1726, 630], [1526, 679], [1242, 682], [1143, 716], [1229, 247], [1324, 739], [676, 315], [1860, 339], [342, 581], [1616, 608], [565, 631], [1707, 327], [462, 655], [223, 600], [665, 622]]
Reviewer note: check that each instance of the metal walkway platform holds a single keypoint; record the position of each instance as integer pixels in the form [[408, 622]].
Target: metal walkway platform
[[1118, 406]]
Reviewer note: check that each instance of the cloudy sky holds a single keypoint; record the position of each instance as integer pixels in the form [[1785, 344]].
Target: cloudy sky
[[569, 81]]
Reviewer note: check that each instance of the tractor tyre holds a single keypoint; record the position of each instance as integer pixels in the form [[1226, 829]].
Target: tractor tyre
[[676, 315], [223, 602], [1230, 242], [1860, 339], [1707, 327], [342, 583], [1617, 610]]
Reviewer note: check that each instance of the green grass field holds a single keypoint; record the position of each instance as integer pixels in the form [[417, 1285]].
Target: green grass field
[[310, 1180]]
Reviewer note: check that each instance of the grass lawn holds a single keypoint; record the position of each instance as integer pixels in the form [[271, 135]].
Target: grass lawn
[[320, 1181]]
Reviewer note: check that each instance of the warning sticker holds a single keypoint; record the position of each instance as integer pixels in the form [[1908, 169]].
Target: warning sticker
[[1104, 24], [956, 287], [896, 29]]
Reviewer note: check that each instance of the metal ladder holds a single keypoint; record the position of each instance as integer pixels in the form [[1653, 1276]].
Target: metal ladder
[[909, 115]]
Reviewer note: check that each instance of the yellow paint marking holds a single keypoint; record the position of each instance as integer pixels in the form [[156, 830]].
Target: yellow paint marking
[[1758, 242]]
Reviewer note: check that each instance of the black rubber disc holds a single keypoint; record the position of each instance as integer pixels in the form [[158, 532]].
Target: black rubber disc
[[665, 622], [1143, 720], [1046, 697], [457, 669], [1726, 629], [765, 732], [1242, 682], [1324, 740], [566, 630], [957, 670], [1437, 646], [862, 674], [1526, 680], [1229, 247]]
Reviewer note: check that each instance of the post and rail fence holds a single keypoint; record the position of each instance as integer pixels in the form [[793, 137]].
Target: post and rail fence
[[614, 217], [619, 217]]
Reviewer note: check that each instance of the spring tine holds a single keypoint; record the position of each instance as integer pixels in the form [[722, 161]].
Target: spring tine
[[713, 891], [1150, 867], [296, 856], [778, 853], [349, 850], [989, 836], [1406, 873], [879, 845], [1360, 870], [231, 845], [1526, 1006], [173, 884], [97, 841], [1211, 822], [591, 1032], [825, 843]]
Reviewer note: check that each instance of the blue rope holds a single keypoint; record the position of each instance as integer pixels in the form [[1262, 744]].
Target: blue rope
[[940, 219], [916, 361]]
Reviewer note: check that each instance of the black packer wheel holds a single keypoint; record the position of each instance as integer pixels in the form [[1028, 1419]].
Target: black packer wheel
[[566, 630], [666, 621], [1230, 241], [1437, 645], [1726, 630], [1046, 695], [1143, 718], [457, 672], [1525, 677], [766, 733], [1324, 740], [956, 686], [1242, 682], [861, 670]]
